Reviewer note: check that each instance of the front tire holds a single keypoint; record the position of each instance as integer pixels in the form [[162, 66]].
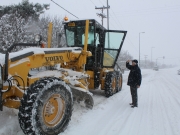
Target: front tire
[[46, 107]]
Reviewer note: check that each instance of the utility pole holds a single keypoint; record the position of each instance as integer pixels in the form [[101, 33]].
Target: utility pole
[[151, 57], [139, 48], [108, 15], [108, 22], [163, 60], [101, 14], [145, 60], [151, 53]]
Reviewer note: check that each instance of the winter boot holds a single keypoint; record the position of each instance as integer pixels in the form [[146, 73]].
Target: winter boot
[[134, 106]]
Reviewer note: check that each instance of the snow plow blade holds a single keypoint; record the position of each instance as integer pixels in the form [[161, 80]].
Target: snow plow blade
[[81, 95]]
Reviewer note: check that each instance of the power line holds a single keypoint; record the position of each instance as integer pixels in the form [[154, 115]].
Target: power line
[[101, 2], [92, 3], [128, 39], [64, 9], [137, 14], [149, 11], [122, 27], [102, 15], [115, 20]]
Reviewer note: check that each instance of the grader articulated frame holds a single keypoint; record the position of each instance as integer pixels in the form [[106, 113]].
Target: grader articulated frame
[[45, 97]]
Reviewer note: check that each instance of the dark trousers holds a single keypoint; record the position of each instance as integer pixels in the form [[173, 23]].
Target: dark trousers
[[134, 96]]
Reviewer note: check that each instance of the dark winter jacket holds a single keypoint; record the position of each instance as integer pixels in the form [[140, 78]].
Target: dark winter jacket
[[134, 77]]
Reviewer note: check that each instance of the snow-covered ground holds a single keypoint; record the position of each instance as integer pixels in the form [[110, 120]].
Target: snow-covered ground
[[158, 112]]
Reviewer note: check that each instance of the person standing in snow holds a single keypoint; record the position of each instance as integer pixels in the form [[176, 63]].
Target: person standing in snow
[[134, 80]]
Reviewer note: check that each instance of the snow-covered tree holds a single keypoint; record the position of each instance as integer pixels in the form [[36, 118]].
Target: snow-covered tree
[[16, 23], [58, 37], [12, 30], [25, 9], [123, 57], [15, 29]]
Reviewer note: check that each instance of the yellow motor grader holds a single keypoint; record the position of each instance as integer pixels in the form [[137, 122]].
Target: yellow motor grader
[[44, 97]]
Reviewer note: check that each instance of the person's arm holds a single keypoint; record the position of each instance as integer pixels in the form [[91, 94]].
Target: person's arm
[[128, 65], [139, 78]]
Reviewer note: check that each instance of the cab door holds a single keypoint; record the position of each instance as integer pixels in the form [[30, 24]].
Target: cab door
[[114, 40]]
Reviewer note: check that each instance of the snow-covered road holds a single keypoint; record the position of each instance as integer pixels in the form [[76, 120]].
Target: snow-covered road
[[157, 112]]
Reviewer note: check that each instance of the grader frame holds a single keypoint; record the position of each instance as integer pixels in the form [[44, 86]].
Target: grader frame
[[45, 99]]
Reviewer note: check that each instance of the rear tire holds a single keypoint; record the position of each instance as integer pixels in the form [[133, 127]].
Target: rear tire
[[118, 81], [110, 84], [46, 107]]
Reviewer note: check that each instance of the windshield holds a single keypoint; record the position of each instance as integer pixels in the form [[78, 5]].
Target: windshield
[[76, 35]]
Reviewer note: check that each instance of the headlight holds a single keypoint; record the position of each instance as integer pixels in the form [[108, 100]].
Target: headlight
[[38, 38]]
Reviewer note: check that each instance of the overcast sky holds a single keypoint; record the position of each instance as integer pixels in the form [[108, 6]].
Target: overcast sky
[[159, 19]]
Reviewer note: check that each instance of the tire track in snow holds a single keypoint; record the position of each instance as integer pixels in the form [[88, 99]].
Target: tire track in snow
[[161, 108], [121, 115], [157, 114], [170, 90], [140, 121], [145, 106], [119, 108]]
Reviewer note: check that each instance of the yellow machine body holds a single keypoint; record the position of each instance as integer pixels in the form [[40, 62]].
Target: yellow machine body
[[43, 83], [73, 58]]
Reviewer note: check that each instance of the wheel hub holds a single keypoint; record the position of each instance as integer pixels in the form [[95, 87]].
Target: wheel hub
[[53, 110], [50, 109]]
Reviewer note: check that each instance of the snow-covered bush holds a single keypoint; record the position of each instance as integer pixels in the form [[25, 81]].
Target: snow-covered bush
[[12, 30]]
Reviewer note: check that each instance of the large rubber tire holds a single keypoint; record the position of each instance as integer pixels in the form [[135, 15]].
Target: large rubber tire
[[110, 84], [118, 81], [46, 107]]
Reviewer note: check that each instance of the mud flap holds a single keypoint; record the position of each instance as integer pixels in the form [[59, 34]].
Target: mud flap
[[82, 95]]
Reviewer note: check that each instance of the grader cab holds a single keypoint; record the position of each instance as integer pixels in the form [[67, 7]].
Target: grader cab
[[105, 46], [43, 82]]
